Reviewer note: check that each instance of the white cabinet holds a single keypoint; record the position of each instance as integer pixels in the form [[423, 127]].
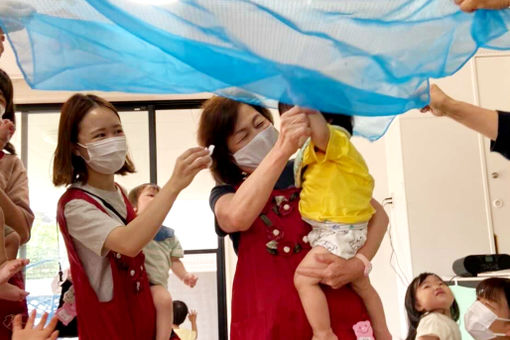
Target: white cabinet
[[451, 196]]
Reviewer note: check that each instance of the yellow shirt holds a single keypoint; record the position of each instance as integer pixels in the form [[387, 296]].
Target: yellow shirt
[[336, 184], [185, 334]]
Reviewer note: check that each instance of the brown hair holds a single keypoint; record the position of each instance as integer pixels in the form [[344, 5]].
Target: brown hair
[[493, 289], [7, 91], [69, 168], [134, 194], [217, 123]]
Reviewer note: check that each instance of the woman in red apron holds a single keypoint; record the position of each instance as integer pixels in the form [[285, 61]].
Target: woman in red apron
[[103, 238], [257, 205]]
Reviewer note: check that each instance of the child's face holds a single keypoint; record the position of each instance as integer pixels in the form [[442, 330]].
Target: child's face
[[6, 131], [146, 196], [433, 295]]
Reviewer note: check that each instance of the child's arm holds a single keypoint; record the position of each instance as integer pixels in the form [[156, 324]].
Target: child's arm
[[181, 272], [428, 337], [320, 130], [192, 316]]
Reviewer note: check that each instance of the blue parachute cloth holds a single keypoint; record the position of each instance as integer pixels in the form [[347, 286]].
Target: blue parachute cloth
[[360, 57]]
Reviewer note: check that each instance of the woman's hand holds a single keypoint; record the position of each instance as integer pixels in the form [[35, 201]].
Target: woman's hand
[[338, 272], [30, 332], [294, 130], [439, 102], [188, 165], [472, 5]]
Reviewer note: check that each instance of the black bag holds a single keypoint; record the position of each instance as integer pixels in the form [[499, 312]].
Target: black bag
[[71, 330]]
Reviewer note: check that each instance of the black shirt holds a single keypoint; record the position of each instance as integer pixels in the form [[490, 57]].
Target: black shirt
[[502, 142], [285, 181]]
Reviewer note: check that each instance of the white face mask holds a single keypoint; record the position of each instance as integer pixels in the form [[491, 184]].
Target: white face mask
[[2, 110], [250, 155], [477, 320], [107, 156]]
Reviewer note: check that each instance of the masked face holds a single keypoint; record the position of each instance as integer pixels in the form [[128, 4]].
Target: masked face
[[478, 320], [252, 154], [106, 156]]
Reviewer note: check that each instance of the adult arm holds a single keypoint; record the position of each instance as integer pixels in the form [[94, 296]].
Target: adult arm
[[14, 201], [474, 117], [130, 239]]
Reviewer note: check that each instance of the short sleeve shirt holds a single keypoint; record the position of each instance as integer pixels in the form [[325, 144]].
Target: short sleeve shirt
[[439, 325], [89, 227]]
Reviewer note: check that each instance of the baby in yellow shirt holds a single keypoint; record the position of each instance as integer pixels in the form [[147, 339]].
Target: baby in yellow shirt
[[335, 200]]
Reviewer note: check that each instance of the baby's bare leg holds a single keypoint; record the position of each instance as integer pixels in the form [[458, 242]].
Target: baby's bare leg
[[374, 306], [164, 312], [312, 297]]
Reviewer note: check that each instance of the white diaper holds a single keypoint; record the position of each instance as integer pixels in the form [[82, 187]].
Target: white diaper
[[343, 240]]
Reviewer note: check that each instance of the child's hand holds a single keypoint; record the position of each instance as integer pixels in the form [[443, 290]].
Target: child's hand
[[192, 316], [188, 165], [30, 332], [7, 129], [190, 280]]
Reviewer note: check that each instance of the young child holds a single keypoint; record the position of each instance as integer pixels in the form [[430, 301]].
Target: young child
[[161, 254], [180, 312], [431, 309], [335, 201]]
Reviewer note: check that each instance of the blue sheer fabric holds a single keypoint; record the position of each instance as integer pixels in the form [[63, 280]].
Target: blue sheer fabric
[[360, 57]]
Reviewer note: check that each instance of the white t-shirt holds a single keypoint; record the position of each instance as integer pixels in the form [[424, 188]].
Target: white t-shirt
[[89, 227], [440, 325]]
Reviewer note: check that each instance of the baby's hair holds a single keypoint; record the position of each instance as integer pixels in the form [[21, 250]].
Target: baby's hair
[[134, 194], [493, 289], [413, 315], [338, 119], [180, 312]]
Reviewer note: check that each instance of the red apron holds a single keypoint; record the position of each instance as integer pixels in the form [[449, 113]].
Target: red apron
[[9, 309], [265, 303], [130, 315]]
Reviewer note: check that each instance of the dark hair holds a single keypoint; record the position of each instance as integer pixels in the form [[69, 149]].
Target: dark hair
[[6, 89], [134, 194], [217, 123], [180, 312], [413, 315], [338, 119], [69, 168], [493, 288]]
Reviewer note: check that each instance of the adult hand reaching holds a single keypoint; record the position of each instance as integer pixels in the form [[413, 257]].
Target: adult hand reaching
[[473, 5]]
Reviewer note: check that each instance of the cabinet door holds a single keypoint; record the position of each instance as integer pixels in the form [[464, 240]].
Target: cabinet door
[[444, 189], [494, 93]]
